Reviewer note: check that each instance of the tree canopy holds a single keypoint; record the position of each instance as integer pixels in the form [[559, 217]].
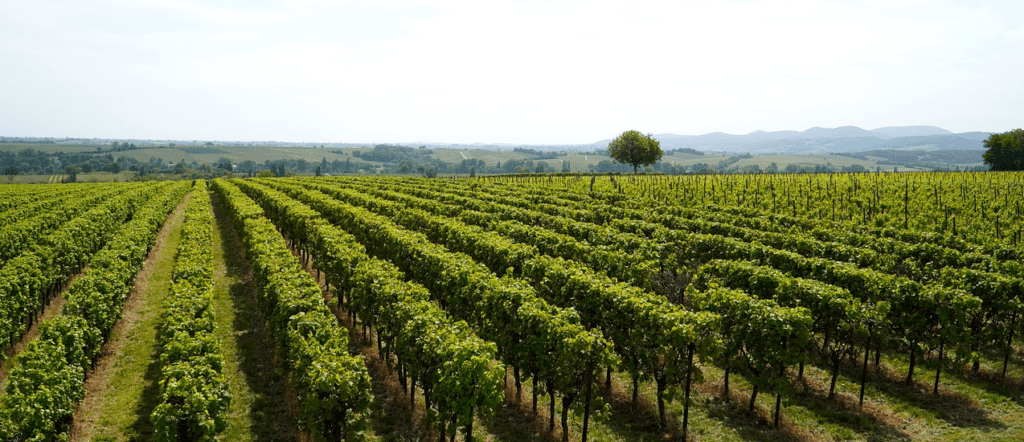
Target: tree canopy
[[1005, 150], [635, 148]]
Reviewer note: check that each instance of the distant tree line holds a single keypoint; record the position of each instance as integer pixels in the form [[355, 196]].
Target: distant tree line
[[34, 162], [539, 154], [282, 167], [404, 160], [684, 150], [907, 157]]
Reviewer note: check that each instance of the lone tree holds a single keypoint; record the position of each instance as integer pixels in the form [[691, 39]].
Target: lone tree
[[635, 148], [1005, 150]]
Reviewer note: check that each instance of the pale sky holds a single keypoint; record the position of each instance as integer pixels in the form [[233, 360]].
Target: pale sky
[[465, 71]]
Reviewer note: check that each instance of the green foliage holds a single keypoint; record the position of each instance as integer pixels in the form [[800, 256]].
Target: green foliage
[[193, 394], [451, 365], [332, 387], [47, 380], [41, 263], [542, 340], [1005, 150], [759, 337], [634, 148]]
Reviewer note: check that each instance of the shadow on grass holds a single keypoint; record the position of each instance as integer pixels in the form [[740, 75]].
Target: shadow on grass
[[391, 416], [950, 406], [843, 410], [1011, 389], [989, 376], [514, 421], [734, 413], [268, 413], [637, 421], [142, 428]]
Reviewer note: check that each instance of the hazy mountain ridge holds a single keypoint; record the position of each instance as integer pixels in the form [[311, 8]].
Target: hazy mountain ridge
[[845, 139], [816, 140]]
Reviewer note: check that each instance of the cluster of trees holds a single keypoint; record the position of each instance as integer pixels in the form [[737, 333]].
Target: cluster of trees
[[798, 168], [472, 167], [409, 161], [539, 154], [386, 153], [295, 166], [1005, 150], [608, 166], [405, 160], [118, 147], [33, 162], [685, 150]]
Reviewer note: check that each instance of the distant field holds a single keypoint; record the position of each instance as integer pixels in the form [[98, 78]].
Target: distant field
[[238, 154], [838, 161], [578, 162], [490, 157], [94, 177]]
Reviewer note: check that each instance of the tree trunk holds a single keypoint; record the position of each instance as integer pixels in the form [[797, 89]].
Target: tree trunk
[[412, 392], [380, 347], [586, 404], [938, 372], [753, 398], [469, 426], [566, 403], [534, 394], [401, 375], [913, 360], [976, 365], [864, 371], [686, 399], [778, 397], [778, 408], [636, 387], [660, 380], [1009, 348], [551, 413], [519, 384], [835, 375], [725, 392]]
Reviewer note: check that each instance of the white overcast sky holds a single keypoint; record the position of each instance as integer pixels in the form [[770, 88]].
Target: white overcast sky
[[464, 71]]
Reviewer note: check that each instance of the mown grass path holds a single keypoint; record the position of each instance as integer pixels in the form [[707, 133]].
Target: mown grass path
[[122, 388], [259, 406]]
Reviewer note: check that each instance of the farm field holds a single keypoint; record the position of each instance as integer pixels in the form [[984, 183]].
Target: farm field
[[449, 160], [877, 307]]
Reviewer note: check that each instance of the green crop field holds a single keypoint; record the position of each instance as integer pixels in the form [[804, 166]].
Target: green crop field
[[45, 163], [808, 307]]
